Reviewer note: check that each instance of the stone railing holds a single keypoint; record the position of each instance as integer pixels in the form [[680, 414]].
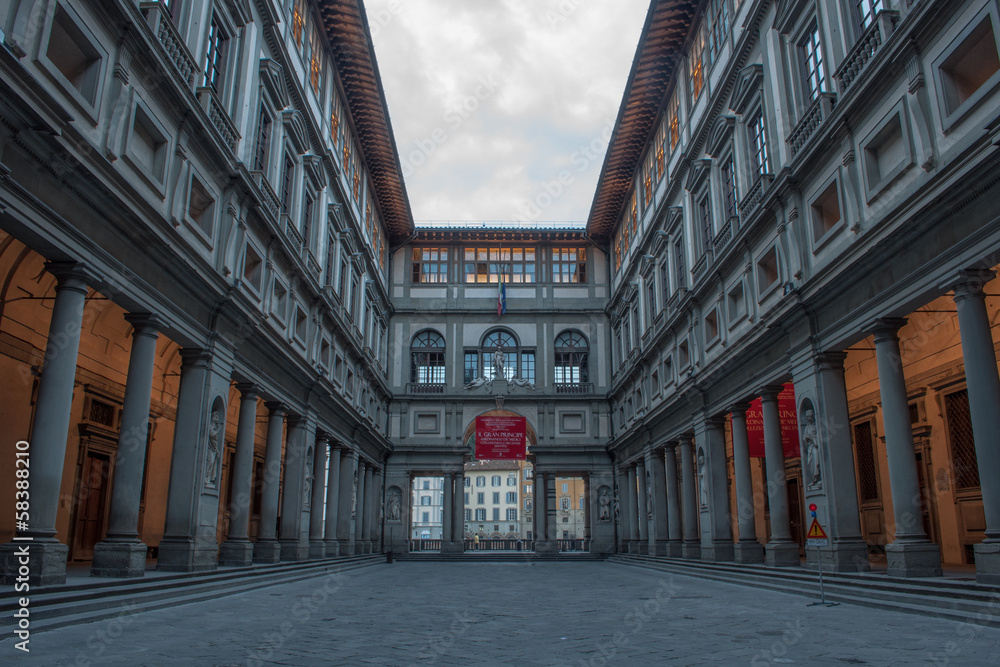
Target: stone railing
[[219, 118], [811, 120], [312, 264], [268, 198], [294, 238], [159, 21], [725, 234], [755, 195], [574, 388], [422, 388], [868, 45], [700, 267]]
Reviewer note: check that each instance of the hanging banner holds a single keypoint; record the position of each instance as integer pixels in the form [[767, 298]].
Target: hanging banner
[[789, 424], [500, 438]]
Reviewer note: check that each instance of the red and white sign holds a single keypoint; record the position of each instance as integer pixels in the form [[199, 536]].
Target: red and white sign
[[501, 438], [789, 424]]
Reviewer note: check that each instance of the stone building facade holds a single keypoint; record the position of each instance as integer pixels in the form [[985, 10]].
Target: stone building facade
[[225, 341]]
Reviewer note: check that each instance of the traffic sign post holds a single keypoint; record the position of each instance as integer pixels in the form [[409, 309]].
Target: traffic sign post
[[816, 537]]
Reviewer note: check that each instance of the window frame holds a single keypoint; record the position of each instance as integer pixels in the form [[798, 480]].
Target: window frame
[[434, 356]]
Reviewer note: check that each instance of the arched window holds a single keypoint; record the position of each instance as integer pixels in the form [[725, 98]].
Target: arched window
[[427, 359], [517, 362], [571, 350]]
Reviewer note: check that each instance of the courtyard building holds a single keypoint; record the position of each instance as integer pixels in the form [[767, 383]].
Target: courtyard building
[[227, 342]]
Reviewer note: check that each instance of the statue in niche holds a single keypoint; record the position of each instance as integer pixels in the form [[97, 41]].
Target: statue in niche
[[307, 487], [498, 363], [649, 495], [354, 497], [605, 502], [394, 505], [702, 482], [810, 443], [617, 507], [213, 453]]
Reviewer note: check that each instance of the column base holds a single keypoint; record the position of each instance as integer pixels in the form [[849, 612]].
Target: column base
[[633, 546], [675, 549], [46, 562], [691, 550], [317, 549], [236, 553], [119, 559], [547, 548], [718, 551], [267, 551], [332, 548], [452, 547], [345, 547], [913, 559], [359, 548], [367, 546], [841, 557], [659, 549], [988, 562], [643, 548], [748, 552], [782, 554], [182, 555], [293, 550]]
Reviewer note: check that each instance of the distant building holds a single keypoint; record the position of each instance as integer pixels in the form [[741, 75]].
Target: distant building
[[428, 506]]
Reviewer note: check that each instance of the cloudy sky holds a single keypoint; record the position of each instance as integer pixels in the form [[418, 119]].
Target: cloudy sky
[[502, 108]]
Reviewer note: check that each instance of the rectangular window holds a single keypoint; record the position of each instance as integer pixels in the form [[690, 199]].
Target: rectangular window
[[705, 223], [672, 122], [679, 268], [307, 214], [965, 464], [471, 367], [496, 513], [480, 481], [758, 144], [569, 265], [512, 496], [496, 497], [430, 265], [201, 207], [485, 265], [468, 515], [286, 184], [717, 28], [298, 20], [496, 482], [867, 10], [481, 514], [263, 141], [314, 61], [696, 67], [812, 63], [512, 514], [664, 282], [215, 56], [729, 195], [480, 497], [528, 367]]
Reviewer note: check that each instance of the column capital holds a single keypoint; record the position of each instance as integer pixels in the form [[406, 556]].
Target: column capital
[[830, 361], [72, 275], [770, 392], [887, 328], [248, 391], [195, 356], [970, 283], [276, 408], [145, 324], [322, 438], [739, 408]]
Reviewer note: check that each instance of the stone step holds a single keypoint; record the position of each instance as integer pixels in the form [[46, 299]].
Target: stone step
[[498, 557], [70, 604], [953, 600]]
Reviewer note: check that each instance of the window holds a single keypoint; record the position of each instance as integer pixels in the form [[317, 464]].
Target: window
[[813, 72], [565, 488], [650, 284], [307, 214], [430, 265], [201, 209], [867, 10], [736, 302], [480, 481], [427, 354], [887, 152], [260, 159], [301, 324], [679, 267], [683, 355], [512, 479], [696, 67], [825, 212], [485, 265], [767, 271], [867, 471], [758, 144], [564, 504], [512, 496], [729, 194], [215, 56], [712, 326], [508, 346], [314, 60], [73, 55], [481, 514], [253, 268], [147, 146], [468, 515], [480, 497], [495, 481], [425, 500], [298, 20], [965, 464], [571, 358], [705, 222], [279, 301], [664, 282], [569, 265], [970, 66], [496, 497], [496, 515], [717, 28], [672, 122], [286, 184], [470, 366], [528, 367], [512, 514], [468, 482], [527, 504]]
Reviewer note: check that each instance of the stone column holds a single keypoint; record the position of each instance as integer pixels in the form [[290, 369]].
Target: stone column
[[366, 520], [448, 513], [345, 503], [658, 497], [692, 545], [551, 515], [674, 534], [297, 466], [237, 550], [458, 524], [621, 509], [266, 549], [317, 545], [359, 513], [642, 511], [332, 503], [49, 430], [910, 554], [378, 493], [979, 355], [633, 511], [747, 550], [121, 553], [780, 551], [716, 529]]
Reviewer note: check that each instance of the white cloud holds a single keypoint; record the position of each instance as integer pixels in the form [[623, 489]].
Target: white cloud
[[492, 100]]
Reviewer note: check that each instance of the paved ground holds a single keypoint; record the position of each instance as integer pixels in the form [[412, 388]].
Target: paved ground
[[527, 614]]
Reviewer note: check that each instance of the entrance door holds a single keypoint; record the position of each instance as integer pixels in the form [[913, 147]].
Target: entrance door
[[795, 512], [91, 515]]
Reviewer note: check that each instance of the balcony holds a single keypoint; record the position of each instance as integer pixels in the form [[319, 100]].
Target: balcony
[[868, 45], [422, 388], [268, 198], [575, 388], [726, 234], [217, 115], [811, 120], [755, 195], [700, 267], [158, 19]]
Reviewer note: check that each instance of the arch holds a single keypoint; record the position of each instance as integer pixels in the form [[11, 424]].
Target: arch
[[571, 358], [505, 338], [427, 339], [427, 350]]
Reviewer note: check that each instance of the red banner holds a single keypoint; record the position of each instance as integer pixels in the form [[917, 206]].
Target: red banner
[[500, 438], [789, 424]]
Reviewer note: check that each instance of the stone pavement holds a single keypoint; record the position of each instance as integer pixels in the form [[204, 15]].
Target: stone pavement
[[588, 613]]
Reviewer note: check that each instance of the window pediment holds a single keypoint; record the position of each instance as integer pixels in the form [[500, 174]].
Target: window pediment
[[721, 135], [697, 173], [749, 83], [675, 217], [314, 170], [273, 82], [295, 128]]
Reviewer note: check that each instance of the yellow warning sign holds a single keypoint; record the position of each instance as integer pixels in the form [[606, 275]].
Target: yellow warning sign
[[816, 537]]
